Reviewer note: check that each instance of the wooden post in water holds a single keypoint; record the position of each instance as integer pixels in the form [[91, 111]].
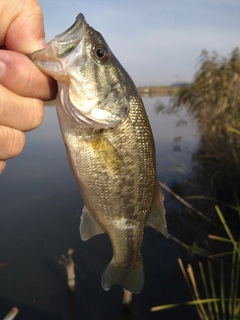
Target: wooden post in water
[[68, 263], [12, 314], [127, 301]]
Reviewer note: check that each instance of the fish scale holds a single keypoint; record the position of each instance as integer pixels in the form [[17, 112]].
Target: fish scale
[[110, 147]]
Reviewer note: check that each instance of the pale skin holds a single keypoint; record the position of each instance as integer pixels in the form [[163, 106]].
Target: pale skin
[[22, 85]]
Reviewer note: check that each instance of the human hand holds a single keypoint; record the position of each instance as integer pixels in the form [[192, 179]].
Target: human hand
[[22, 85]]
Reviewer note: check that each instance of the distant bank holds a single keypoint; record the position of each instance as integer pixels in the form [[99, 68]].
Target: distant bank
[[152, 91], [147, 91]]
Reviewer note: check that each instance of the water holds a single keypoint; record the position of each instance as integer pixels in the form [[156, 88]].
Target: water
[[40, 214]]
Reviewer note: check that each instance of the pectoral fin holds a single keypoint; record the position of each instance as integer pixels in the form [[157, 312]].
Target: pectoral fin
[[156, 218], [88, 226], [106, 153]]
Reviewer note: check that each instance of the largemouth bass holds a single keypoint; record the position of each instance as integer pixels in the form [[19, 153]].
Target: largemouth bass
[[110, 147]]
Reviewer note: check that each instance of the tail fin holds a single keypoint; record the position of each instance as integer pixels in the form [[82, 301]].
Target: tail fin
[[131, 279]]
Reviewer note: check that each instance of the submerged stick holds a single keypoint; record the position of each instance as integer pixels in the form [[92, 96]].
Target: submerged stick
[[127, 301], [12, 314], [68, 263], [127, 297], [164, 186]]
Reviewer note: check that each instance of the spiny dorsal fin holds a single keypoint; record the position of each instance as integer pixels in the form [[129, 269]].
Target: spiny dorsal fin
[[88, 226]]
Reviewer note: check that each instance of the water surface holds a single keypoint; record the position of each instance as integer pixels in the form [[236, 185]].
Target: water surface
[[40, 213]]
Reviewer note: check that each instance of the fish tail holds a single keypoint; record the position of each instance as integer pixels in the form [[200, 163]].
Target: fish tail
[[132, 279]]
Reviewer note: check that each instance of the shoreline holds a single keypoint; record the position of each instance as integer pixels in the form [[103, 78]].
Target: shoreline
[[145, 91], [153, 91]]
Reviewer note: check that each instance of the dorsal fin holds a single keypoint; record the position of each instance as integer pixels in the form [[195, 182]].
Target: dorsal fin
[[157, 218]]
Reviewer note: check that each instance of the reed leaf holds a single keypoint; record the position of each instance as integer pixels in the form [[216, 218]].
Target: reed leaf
[[222, 289], [225, 225], [199, 197], [212, 285], [213, 237], [189, 287], [206, 290], [232, 129], [202, 310], [189, 303]]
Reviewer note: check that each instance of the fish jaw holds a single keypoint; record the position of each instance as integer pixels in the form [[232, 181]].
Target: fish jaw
[[59, 54], [72, 59]]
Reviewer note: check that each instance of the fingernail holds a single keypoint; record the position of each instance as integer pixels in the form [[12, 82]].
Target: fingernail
[[2, 68], [42, 43]]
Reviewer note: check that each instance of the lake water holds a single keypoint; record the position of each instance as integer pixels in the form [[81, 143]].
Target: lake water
[[40, 213]]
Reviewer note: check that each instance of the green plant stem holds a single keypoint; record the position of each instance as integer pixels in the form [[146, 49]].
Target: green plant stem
[[213, 290], [206, 290], [222, 289]]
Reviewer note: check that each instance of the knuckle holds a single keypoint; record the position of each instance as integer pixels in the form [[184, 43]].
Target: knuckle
[[34, 114], [12, 142], [37, 113]]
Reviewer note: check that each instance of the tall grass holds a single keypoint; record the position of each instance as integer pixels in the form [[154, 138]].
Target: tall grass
[[213, 99], [220, 300]]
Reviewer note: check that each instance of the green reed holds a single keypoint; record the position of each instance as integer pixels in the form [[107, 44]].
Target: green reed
[[218, 302]]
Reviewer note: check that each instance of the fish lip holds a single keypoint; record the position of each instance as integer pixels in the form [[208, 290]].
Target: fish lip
[[73, 34]]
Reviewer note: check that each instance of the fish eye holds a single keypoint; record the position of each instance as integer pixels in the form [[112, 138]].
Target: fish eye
[[101, 53]]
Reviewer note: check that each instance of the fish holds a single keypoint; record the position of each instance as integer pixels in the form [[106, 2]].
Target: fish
[[110, 147]]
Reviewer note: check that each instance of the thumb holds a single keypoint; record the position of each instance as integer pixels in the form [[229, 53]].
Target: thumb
[[23, 22]]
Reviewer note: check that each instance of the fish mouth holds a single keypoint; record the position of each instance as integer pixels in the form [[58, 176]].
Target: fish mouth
[[62, 58], [73, 33], [56, 55]]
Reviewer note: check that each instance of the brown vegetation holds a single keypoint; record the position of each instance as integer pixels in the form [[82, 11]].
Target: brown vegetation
[[213, 99]]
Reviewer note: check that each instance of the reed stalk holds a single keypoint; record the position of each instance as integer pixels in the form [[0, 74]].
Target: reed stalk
[[12, 314], [204, 279]]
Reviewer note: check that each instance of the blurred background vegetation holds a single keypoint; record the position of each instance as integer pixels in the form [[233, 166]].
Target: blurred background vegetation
[[213, 99]]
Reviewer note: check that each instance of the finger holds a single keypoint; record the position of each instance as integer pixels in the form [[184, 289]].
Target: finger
[[19, 112], [19, 74], [21, 25], [2, 166], [12, 142]]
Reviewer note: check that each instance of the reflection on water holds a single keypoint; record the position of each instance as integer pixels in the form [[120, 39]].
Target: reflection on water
[[40, 212]]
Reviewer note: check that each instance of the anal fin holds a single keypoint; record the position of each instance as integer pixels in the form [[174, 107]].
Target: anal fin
[[157, 218], [88, 226]]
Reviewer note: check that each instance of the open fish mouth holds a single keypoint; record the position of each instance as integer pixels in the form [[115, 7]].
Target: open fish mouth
[[73, 33], [58, 50], [74, 58]]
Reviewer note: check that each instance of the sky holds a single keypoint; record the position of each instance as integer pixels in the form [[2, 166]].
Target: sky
[[158, 42]]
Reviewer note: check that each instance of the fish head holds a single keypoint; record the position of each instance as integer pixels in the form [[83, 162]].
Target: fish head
[[96, 87]]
